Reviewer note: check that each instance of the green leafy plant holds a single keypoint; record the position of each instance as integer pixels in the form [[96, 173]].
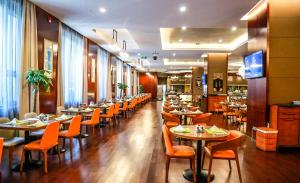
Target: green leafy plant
[[141, 89], [37, 79], [123, 88]]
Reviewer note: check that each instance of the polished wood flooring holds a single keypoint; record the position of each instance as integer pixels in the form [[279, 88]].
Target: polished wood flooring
[[133, 152]]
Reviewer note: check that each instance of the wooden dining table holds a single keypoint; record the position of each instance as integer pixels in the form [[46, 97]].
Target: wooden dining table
[[198, 137], [184, 114], [27, 126]]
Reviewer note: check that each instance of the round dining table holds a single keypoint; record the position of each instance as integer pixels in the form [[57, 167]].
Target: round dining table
[[198, 137], [184, 114]]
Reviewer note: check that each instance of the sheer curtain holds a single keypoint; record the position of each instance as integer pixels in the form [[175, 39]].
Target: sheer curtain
[[10, 56], [135, 83], [72, 66], [128, 80], [119, 77], [103, 69]]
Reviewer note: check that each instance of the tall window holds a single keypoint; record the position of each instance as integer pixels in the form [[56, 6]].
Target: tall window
[[103, 71], [119, 77], [10, 56], [128, 78], [72, 66]]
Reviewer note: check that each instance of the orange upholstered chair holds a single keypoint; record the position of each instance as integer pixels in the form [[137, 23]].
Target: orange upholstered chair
[[73, 131], [202, 119], [226, 150], [116, 110], [1, 150], [170, 120], [132, 105], [109, 114], [123, 109], [179, 151], [48, 141], [93, 121]]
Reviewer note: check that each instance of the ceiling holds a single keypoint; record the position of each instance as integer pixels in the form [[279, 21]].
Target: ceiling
[[149, 26]]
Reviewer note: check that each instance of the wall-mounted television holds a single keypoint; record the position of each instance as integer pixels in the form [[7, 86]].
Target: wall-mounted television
[[254, 65]]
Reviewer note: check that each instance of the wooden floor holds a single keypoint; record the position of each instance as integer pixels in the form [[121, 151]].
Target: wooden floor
[[133, 152]]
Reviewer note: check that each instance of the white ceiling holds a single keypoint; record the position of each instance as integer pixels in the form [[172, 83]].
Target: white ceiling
[[142, 19]]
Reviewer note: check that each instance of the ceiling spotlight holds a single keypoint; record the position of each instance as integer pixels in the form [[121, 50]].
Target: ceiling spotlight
[[234, 28], [139, 54], [180, 40], [102, 10], [182, 9], [204, 55], [183, 28], [220, 40], [174, 54]]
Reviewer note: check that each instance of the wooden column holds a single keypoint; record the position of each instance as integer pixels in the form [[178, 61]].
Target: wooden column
[[197, 86]]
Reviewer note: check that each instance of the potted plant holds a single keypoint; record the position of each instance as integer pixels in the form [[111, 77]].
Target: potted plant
[[35, 80], [141, 89], [123, 88]]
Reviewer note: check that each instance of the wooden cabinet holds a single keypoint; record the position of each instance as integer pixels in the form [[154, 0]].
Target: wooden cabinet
[[286, 119], [213, 100]]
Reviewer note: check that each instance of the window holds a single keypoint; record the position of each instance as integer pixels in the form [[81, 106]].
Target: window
[[72, 66], [10, 56]]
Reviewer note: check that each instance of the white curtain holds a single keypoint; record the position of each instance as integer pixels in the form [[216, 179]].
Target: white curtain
[[72, 66], [135, 83], [10, 56], [119, 77], [128, 80], [103, 69]]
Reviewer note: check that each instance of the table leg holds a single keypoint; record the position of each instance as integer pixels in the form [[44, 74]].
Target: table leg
[[200, 174], [185, 120]]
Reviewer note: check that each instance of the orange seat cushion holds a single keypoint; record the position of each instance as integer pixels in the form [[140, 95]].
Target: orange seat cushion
[[226, 154], [105, 116], [87, 122], [65, 134], [35, 145], [183, 151], [171, 124]]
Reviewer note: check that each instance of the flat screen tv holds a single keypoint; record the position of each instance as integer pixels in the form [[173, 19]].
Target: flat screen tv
[[254, 65]]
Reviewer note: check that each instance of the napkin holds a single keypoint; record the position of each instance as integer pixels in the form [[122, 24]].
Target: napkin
[[37, 124], [88, 110], [180, 129], [104, 105], [215, 130], [15, 122], [73, 109], [62, 117]]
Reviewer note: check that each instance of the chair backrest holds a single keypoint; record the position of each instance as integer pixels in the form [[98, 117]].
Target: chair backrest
[[116, 108], [167, 140], [50, 137], [1, 148], [125, 104], [59, 109], [95, 116], [30, 115], [233, 141], [74, 128], [202, 118], [170, 117], [166, 109], [7, 134]]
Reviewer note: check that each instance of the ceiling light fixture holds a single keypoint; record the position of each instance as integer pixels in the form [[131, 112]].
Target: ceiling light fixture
[[183, 28], [180, 40], [182, 9], [234, 28], [102, 10], [204, 55], [139, 54], [174, 54], [220, 40]]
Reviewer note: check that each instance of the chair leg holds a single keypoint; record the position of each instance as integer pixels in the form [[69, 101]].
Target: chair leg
[[209, 169], [167, 168], [10, 157], [45, 161], [58, 154], [22, 160], [229, 164], [80, 142], [71, 147], [194, 169], [238, 167]]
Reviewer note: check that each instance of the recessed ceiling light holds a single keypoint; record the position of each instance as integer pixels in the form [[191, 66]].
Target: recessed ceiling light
[[139, 54], [183, 28], [220, 40], [174, 54], [234, 28], [180, 40], [182, 9], [204, 55], [102, 10]]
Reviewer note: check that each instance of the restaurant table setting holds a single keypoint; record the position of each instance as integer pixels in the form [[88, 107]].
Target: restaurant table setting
[[198, 134]]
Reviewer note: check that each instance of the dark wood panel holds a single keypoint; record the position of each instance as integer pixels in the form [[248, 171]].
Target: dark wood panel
[[149, 82], [47, 28], [92, 55]]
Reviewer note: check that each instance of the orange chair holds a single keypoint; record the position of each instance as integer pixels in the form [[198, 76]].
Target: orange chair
[[1, 150], [116, 110], [132, 105], [179, 151], [73, 131], [123, 109], [228, 113], [170, 120], [48, 141], [109, 114], [202, 119], [225, 150], [94, 120]]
